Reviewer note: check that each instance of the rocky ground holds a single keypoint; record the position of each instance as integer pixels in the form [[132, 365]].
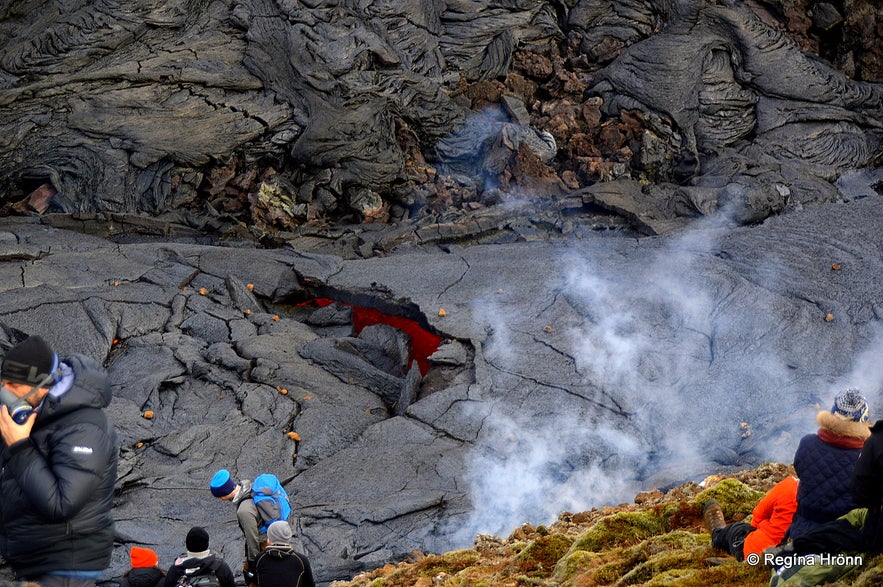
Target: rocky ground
[[195, 307], [657, 540]]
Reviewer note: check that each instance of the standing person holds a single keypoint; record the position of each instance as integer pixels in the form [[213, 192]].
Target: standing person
[[199, 566], [145, 570], [824, 462], [224, 488], [59, 464], [279, 565], [770, 520], [867, 488]]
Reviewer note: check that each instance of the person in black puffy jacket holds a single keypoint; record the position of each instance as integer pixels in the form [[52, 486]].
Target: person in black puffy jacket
[[867, 488], [59, 466], [824, 462]]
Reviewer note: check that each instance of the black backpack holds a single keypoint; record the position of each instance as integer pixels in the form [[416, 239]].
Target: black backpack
[[206, 577]]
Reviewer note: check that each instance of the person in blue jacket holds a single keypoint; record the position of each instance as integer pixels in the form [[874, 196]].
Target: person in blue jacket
[[824, 462]]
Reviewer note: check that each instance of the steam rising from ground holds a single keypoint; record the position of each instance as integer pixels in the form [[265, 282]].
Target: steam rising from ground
[[661, 341]]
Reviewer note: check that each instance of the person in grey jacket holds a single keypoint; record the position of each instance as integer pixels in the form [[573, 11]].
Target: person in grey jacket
[[224, 488], [58, 464]]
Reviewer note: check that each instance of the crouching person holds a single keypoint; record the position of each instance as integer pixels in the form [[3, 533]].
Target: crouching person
[[770, 521], [278, 565]]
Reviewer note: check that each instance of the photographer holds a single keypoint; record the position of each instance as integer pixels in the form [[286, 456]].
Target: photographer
[[59, 461]]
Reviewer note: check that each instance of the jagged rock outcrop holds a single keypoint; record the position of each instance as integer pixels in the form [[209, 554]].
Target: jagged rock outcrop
[[283, 115]]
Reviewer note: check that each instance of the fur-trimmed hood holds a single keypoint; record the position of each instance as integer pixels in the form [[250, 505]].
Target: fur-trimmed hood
[[843, 427]]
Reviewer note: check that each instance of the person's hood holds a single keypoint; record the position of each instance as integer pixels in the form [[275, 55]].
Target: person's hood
[[244, 491], [193, 562], [843, 427], [83, 383]]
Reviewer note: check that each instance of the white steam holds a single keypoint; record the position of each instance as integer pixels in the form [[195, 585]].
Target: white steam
[[662, 342]]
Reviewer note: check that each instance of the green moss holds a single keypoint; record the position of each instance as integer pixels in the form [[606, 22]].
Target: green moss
[[378, 582], [576, 563], [609, 573], [679, 539], [666, 561], [734, 497], [451, 563], [457, 581], [730, 574], [623, 528], [671, 577], [871, 573], [543, 554]]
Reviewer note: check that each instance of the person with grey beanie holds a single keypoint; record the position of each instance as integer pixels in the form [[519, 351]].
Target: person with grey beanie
[[278, 565]]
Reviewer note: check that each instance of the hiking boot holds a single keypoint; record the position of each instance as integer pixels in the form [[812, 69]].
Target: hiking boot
[[713, 516]]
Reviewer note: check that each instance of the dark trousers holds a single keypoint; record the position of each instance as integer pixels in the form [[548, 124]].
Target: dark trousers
[[732, 538]]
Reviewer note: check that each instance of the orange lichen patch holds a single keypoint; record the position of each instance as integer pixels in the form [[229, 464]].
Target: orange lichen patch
[[294, 436], [548, 329], [281, 390], [116, 283], [247, 312], [442, 312], [203, 291], [829, 317], [835, 266], [249, 286], [148, 415], [306, 397], [499, 291], [275, 318], [139, 444]]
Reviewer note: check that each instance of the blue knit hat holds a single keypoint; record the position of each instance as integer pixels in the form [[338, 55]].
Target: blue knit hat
[[222, 483], [852, 404]]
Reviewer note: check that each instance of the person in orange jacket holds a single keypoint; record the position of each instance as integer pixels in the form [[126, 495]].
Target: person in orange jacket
[[770, 521]]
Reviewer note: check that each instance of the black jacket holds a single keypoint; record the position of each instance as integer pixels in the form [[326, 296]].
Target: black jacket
[[281, 566], [867, 487], [143, 577], [196, 566], [57, 486]]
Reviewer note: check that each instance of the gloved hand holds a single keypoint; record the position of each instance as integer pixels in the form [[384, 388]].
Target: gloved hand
[[247, 572]]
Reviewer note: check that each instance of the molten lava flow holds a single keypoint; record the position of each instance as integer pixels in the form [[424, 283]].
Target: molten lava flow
[[423, 342]]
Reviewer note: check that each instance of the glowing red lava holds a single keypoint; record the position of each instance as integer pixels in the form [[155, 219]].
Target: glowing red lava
[[423, 342]]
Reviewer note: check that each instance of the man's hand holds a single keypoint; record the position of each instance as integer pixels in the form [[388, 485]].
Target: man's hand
[[13, 432]]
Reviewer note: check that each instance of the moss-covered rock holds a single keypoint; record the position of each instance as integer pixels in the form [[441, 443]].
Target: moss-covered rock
[[734, 497], [451, 563], [540, 557], [621, 529], [577, 564]]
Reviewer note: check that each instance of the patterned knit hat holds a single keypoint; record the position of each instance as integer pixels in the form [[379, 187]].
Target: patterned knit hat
[[851, 403]]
